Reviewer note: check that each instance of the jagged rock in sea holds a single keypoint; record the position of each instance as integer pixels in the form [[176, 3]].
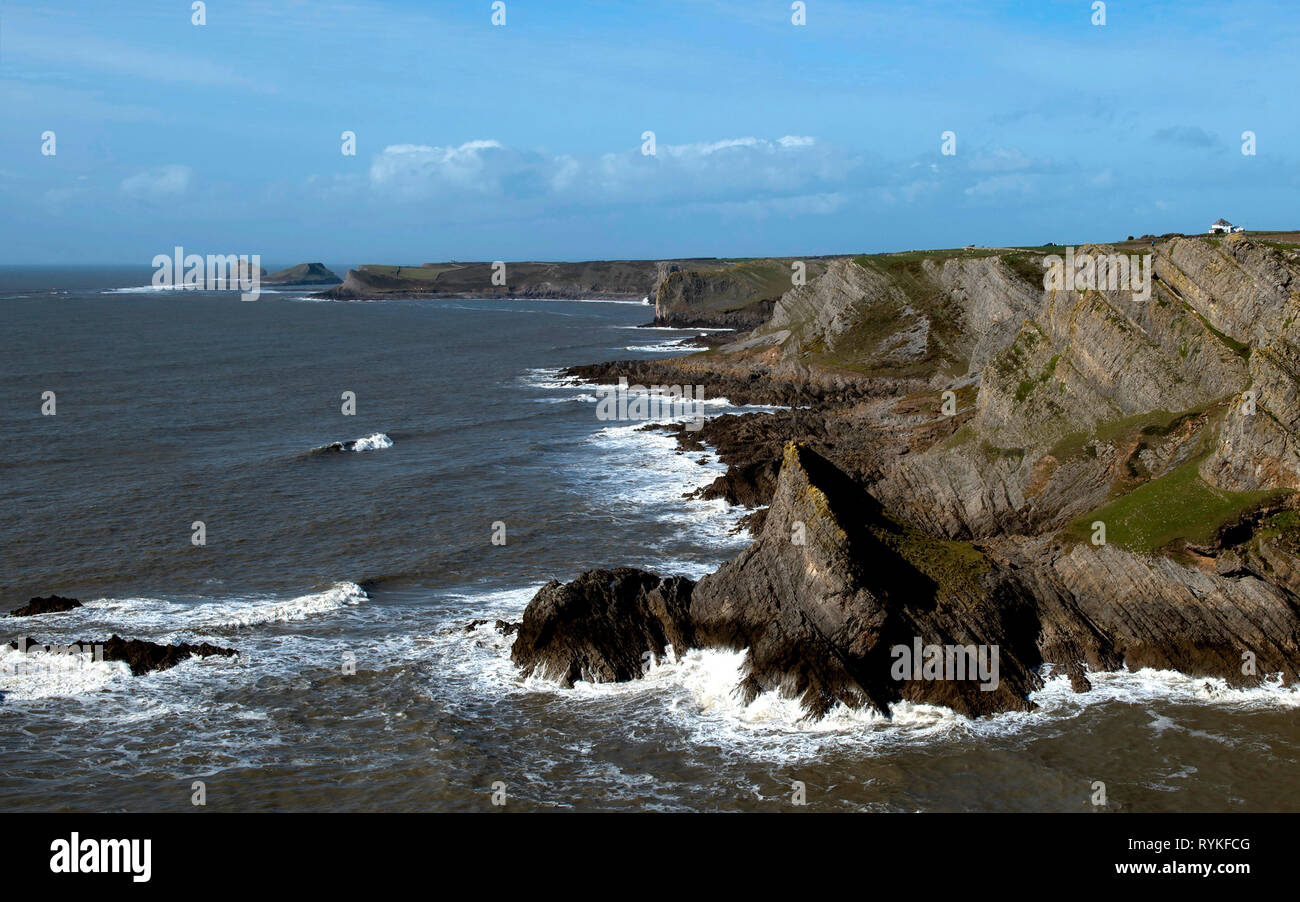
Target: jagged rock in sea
[[50, 604], [832, 585], [601, 626], [141, 655]]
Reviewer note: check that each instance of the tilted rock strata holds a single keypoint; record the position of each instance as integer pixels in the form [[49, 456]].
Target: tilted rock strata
[[833, 583]]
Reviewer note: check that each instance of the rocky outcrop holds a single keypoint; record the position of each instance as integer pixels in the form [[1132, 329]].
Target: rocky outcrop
[[832, 586], [303, 274], [504, 627], [966, 426], [51, 604], [140, 655], [838, 602], [603, 627]]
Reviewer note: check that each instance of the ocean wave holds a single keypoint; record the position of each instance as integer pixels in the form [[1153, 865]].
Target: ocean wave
[[153, 289], [582, 397], [373, 442], [38, 674], [546, 378], [698, 694], [663, 347], [159, 618], [252, 612], [376, 441], [677, 328]]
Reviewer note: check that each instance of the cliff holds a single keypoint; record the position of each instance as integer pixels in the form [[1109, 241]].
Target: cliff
[[833, 586], [962, 433], [701, 292], [618, 279], [739, 295]]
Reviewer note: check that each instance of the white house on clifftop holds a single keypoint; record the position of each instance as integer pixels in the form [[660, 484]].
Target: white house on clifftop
[[1222, 226]]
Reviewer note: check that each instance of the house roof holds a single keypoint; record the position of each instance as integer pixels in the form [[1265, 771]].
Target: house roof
[[1222, 222]]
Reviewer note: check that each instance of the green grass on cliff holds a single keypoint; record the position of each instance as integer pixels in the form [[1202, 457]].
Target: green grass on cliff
[[1284, 525], [425, 273], [1150, 423], [1178, 505], [952, 564]]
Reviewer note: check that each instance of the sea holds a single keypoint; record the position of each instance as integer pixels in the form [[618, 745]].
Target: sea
[[178, 480]]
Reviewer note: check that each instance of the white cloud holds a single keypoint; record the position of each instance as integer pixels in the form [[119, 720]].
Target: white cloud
[[1000, 159], [799, 205], [159, 183], [1001, 184], [736, 170]]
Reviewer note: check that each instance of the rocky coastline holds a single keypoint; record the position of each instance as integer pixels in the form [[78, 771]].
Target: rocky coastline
[[1083, 479]]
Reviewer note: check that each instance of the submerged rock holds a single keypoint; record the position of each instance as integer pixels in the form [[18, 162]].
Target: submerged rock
[[141, 655], [504, 627], [51, 604]]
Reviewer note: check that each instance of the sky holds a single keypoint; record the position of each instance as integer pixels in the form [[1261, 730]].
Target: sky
[[527, 140]]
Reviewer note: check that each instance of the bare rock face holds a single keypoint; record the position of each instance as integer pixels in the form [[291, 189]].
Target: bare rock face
[[821, 609], [601, 627], [833, 587], [994, 301], [821, 311], [1107, 607], [1172, 417]]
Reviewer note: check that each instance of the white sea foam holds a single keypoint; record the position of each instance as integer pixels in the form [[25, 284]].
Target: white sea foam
[[643, 471], [663, 347], [676, 328], [1143, 687], [37, 674], [546, 378], [373, 442], [157, 616], [698, 693], [153, 289], [250, 612]]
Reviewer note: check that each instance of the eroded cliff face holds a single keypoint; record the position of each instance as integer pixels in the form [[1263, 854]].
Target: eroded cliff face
[[1088, 477], [1099, 391], [835, 592], [726, 294]]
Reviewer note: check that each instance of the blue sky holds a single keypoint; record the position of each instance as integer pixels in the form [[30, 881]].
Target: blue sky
[[524, 141]]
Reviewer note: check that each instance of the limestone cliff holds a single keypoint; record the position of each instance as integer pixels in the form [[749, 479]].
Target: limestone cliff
[[1115, 467]]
